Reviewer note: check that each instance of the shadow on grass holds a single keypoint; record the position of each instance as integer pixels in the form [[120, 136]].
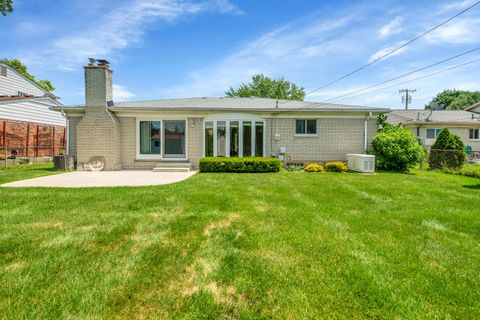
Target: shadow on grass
[[472, 186]]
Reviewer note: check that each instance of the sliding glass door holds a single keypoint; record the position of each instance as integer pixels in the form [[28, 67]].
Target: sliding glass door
[[159, 139], [174, 138], [235, 138]]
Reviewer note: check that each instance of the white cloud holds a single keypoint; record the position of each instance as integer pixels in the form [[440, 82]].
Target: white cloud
[[125, 25], [392, 28], [291, 46], [121, 93], [464, 31], [380, 53]]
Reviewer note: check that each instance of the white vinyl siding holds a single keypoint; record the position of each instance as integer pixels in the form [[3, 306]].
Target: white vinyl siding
[[14, 82], [31, 111]]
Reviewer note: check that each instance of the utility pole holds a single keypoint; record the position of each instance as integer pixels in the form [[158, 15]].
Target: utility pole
[[407, 96]]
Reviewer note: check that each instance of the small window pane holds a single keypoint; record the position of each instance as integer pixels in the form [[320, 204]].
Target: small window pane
[[300, 127], [209, 139], [430, 133], [234, 138], [3, 71], [247, 138], [474, 134], [312, 126], [149, 137], [259, 139], [221, 138]]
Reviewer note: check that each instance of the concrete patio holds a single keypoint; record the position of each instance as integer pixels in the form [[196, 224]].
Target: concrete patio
[[80, 179]]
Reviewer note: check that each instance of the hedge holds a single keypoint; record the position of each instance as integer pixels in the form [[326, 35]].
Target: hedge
[[244, 165], [336, 166]]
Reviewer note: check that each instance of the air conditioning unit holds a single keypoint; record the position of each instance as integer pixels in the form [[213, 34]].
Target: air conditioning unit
[[364, 163]]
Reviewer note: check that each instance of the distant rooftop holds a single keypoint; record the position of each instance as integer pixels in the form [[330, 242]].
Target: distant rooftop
[[438, 116]]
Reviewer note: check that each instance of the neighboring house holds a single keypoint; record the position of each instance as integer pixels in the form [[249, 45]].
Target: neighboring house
[[162, 133], [27, 125], [427, 124], [474, 108]]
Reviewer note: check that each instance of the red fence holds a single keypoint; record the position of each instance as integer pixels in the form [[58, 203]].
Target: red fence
[[24, 139]]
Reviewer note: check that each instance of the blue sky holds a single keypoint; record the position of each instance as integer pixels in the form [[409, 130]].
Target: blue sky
[[181, 48]]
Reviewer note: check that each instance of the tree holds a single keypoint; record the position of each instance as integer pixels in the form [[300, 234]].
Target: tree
[[455, 99], [382, 123], [396, 149], [265, 87], [6, 6], [21, 68], [447, 151]]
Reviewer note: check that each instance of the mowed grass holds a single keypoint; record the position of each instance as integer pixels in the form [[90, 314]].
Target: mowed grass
[[20, 172], [284, 245]]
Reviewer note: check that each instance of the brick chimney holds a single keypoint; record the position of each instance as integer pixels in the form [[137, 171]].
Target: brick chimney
[[98, 83], [98, 131]]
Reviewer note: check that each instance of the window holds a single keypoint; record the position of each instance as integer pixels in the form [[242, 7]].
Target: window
[[174, 133], [306, 126], [3, 71], [247, 139], [433, 133], [209, 139], [221, 138], [474, 134], [234, 138], [258, 139], [161, 139], [150, 137]]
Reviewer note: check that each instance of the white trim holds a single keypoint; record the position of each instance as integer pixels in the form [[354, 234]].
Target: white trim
[[162, 142]]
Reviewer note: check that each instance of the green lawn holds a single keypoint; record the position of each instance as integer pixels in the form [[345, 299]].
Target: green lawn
[[285, 245], [19, 172]]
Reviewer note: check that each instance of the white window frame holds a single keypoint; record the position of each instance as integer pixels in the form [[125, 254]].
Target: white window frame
[[435, 131], [240, 120], [305, 134], [478, 134], [160, 156]]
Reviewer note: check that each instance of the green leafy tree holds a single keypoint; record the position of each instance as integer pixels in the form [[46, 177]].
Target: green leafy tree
[[6, 6], [265, 87], [21, 68], [447, 152], [455, 99], [396, 149], [382, 123]]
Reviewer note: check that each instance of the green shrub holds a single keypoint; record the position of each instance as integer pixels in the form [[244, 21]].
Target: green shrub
[[396, 149], [470, 170], [336, 166], [447, 152], [221, 164], [313, 167]]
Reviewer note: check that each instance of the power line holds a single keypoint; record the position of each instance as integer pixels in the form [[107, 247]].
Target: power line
[[403, 75], [411, 80], [390, 52]]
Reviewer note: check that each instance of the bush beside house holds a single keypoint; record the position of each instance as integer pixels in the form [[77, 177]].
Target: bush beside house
[[335, 166], [240, 165], [447, 152], [313, 167], [396, 149]]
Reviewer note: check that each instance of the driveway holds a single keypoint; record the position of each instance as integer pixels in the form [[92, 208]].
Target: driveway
[[79, 179]]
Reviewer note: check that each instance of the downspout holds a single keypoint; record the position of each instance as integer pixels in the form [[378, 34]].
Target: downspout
[[365, 143], [67, 138]]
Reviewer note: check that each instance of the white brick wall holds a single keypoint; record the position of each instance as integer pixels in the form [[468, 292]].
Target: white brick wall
[[335, 138]]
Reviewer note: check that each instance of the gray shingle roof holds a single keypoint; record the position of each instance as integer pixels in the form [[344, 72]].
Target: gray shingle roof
[[440, 116], [239, 104]]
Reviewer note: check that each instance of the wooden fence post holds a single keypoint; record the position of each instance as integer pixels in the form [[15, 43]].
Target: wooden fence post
[[27, 141], [53, 140], [36, 143], [5, 142]]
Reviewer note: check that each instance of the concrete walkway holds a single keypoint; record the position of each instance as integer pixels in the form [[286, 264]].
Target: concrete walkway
[[79, 179]]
